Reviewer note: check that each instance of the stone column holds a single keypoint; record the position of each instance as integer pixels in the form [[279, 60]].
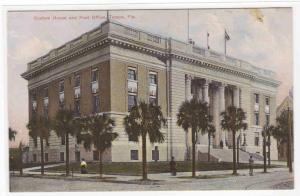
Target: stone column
[[188, 87], [236, 98], [188, 96], [205, 90], [222, 107]]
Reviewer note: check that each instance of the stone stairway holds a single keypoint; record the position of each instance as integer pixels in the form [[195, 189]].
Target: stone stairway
[[225, 155]]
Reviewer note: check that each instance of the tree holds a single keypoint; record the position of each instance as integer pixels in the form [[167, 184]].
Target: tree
[[194, 115], [64, 125], [264, 134], [233, 120], [269, 130], [145, 120], [211, 131], [280, 132], [12, 134], [39, 127], [97, 130]]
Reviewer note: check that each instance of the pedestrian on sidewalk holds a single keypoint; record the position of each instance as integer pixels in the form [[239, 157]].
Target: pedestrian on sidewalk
[[83, 167], [251, 161], [173, 166]]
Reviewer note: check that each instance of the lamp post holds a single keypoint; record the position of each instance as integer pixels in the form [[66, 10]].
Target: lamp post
[[289, 140]]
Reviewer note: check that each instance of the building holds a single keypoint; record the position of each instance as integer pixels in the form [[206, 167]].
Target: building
[[282, 147], [112, 66]]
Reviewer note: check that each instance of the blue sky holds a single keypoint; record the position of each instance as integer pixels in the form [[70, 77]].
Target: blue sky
[[262, 37]]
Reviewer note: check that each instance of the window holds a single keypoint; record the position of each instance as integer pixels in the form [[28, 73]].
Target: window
[[153, 78], [62, 140], [94, 75], [267, 120], [256, 115], [155, 154], [153, 88], [131, 101], [62, 156], [131, 74], [34, 158], [77, 107], [267, 101], [77, 156], [256, 139], [256, 98], [46, 92], [61, 86], [77, 80], [46, 109], [95, 155], [96, 104], [33, 96], [134, 155], [35, 143], [47, 143], [46, 157]]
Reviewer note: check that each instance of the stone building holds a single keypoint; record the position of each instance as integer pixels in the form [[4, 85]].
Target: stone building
[[109, 68]]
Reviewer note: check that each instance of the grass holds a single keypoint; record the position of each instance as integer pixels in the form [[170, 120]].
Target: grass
[[135, 168]]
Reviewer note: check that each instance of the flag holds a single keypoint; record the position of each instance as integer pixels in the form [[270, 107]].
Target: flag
[[226, 36], [207, 41]]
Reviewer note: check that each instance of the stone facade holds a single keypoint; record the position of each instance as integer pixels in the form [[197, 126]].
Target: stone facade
[[182, 70]]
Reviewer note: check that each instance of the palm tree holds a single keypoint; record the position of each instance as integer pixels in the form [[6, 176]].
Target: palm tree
[[145, 120], [39, 127], [12, 134], [269, 130], [194, 114], [264, 134], [280, 132], [64, 125], [97, 130], [233, 120], [211, 131]]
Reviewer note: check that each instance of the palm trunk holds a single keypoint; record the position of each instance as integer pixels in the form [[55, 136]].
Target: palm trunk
[[42, 156], [100, 164], [193, 153], [238, 151], [269, 150], [144, 157], [264, 153], [208, 151], [234, 153], [67, 155]]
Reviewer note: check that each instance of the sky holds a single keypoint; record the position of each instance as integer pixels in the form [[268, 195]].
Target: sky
[[262, 37]]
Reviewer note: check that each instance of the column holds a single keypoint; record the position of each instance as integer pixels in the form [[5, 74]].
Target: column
[[188, 87], [205, 91], [222, 108], [188, 133], [236, 98]]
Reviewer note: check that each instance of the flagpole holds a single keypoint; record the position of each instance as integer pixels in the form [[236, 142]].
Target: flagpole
[[188, 26], [225, 42], [207, 40]]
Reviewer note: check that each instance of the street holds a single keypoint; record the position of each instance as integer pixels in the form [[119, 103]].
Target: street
[[275, 179]]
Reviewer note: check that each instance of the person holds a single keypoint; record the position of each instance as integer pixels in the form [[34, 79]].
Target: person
[[251, 161], [83, 167], [221, 143], [173, 166]]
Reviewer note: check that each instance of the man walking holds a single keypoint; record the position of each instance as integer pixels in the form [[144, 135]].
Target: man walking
[[251, 161], [173, 167]]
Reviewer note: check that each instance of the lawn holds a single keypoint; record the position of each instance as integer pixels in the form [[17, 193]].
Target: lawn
[[153, 167]]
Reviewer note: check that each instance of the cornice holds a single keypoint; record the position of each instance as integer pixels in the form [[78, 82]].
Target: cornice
[[159, 52]]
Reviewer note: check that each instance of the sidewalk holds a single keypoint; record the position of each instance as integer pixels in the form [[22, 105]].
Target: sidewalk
[[181, 176]]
